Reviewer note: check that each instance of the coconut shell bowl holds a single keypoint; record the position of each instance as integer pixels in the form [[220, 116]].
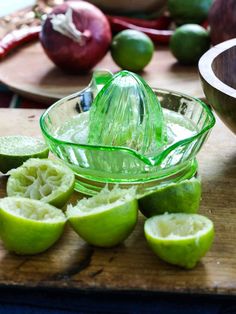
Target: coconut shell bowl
[[217, 68]]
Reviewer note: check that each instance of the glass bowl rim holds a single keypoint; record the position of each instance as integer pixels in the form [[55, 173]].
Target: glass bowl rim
[[152, 160]]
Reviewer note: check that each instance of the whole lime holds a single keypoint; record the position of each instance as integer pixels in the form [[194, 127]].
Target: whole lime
[[189, 42], [177, 197], [189, 11], [132, 50]]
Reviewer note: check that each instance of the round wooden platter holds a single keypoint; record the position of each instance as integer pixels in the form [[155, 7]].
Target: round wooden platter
[[31, 74]]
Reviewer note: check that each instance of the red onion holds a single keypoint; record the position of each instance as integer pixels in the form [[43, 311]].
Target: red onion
[[222, 20], [76, 36]]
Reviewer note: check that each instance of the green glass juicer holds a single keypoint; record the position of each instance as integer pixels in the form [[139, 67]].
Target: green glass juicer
[[120, 131]]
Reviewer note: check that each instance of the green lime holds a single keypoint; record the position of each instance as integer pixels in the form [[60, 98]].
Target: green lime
[[184, 196], [14, 150], [179, 239], [132, 50], [105, 219], [42, 179], [189, 11], [29, 226], [189, 42]]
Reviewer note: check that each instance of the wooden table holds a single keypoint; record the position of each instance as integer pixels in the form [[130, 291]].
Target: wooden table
[[31, 74], [71, 263]]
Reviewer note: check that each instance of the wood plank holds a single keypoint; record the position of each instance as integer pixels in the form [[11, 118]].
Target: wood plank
[[71, 263], [30, 73]]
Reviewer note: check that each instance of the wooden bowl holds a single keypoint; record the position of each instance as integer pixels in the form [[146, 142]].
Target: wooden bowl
[[217, 68], [130, 6]]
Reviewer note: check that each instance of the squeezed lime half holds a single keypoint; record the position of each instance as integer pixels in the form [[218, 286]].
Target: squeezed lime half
[[14, 150], [29, 226], [184, 196], [179, 239], [105, 219], [42, 179]]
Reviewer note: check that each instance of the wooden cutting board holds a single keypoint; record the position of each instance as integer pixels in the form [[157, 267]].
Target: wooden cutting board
[[30, 73], [72, 263]]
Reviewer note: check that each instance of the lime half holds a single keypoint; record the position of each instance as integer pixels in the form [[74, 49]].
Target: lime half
[[106, 219], [184, 196], [14, 150], [42, 179], [29, 226], [179, 239]]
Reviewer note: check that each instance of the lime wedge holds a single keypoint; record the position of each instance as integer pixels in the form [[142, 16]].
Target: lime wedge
[[184, 196], [105, 219], [14, 150], [42, 179], [179, 239], [29, 226]]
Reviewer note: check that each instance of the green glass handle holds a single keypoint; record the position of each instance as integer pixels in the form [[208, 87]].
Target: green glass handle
[[99, 79], [86, 96]]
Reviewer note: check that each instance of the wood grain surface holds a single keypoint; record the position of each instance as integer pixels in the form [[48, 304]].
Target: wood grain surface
[[30, 73], [73, 264]]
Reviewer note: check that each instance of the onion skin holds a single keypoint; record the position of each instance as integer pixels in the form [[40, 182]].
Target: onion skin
[[68, 54], [222, 20]]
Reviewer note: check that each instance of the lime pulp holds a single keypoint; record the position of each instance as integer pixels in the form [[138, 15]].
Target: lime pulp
[[42, 179]]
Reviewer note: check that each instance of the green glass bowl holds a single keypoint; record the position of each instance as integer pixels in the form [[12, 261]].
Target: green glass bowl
[[96, 166]]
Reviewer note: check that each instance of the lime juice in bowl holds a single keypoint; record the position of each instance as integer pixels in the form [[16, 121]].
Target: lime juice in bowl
[[132, 135]]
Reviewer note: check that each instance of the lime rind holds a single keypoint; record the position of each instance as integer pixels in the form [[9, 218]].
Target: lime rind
[[29, 226], [14, 150], [179, 239], [106, 219], [42, 179], [184, 196]]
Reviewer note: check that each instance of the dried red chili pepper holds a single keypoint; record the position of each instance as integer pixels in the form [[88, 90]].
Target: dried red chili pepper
[[205, 24], [157, 35], [16, 38], [160, 23]]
